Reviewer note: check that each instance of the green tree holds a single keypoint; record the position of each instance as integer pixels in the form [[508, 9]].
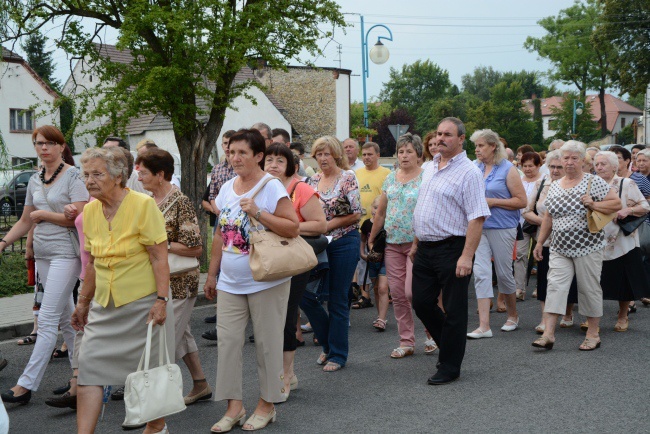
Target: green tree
[[626, 135], [637, 101], [376, 111], [505, 114], [587, 129], [578, 55], [385, 138], [185, 55], [455, 106], [625, 25], [538, 137], [483, 78], [415, 87], [40, 59]]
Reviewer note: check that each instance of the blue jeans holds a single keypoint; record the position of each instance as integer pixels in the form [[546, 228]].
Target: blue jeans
[[331, 327]]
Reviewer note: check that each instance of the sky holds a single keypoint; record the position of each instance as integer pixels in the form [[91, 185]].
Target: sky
[[457, 35]]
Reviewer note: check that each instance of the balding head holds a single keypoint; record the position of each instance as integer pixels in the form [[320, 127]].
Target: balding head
[[351, 149]]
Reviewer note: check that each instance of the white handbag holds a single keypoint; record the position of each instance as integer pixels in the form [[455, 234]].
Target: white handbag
[[150, 394]]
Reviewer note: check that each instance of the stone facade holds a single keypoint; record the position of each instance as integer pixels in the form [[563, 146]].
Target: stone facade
[[316, 100]]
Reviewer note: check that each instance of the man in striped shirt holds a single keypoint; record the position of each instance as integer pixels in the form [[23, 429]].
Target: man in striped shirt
[[448, 220]]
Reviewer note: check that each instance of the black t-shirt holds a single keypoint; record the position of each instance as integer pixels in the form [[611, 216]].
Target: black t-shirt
[[366, 228], [213, 216]]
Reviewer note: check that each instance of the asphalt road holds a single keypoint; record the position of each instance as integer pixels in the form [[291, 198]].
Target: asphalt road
[[505, 386]]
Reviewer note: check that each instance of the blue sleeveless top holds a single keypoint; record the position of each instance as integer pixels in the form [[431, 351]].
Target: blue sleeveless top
[[496, 187]]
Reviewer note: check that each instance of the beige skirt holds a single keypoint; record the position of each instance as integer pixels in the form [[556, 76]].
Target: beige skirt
[[114, 340]]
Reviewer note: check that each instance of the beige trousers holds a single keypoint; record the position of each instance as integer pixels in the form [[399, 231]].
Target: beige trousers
[[185, 343], [587, 271], [268, 311]]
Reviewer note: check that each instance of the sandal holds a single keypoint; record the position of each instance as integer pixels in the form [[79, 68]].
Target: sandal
[[622, 326], [543, 342], [565, 324], [332, 367], [645, 301], [521, 295], [58, 354], [27, 340], [589, 344], [380, 324], [362, 303], [430, 346], [226, 423], [322, 359], [401, 352], [541, 328]]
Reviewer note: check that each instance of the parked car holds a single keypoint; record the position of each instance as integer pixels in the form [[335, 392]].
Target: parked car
[[12, 193]]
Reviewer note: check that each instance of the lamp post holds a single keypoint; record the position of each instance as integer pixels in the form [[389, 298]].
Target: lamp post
[[577, 111], [378, 54]]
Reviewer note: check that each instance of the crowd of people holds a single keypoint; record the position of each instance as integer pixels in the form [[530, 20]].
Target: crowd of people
[[108, 241]]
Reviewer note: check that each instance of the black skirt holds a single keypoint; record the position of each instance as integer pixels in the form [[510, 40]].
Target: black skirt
[[542, 280], [624, 279]]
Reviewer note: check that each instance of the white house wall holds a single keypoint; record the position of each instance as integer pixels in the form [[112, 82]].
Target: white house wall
[[343, 106], [20, 90]]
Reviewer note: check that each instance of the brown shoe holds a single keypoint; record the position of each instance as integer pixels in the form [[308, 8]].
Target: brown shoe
[[621, 326]]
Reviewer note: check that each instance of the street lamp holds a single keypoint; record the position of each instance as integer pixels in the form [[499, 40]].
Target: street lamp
[[378, 54], [577, 111]]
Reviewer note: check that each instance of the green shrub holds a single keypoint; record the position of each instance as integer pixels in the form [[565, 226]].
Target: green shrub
[[14, 275]]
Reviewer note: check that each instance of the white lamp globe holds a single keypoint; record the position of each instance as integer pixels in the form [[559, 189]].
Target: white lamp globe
[[379, 53], [579, 111]]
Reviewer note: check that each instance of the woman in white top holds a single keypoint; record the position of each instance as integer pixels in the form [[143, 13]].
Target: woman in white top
[[622, 277], [240, 296], [530, 164]]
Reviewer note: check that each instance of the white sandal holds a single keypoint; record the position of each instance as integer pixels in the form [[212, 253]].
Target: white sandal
[[401, 352], [430, 346]]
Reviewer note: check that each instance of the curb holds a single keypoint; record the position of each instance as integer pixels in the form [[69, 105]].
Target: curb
[[22, 329]]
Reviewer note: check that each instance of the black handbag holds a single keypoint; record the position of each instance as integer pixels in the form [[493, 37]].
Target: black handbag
[[376, 254], [529, 228], [630, 223]]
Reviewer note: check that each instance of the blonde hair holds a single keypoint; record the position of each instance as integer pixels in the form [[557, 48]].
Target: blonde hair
[[335, 148], [492, 138], [144, 142]]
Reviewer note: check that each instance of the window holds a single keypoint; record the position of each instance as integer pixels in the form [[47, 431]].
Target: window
[[552, 124], [21, 120], [23, 163], [622, 123]]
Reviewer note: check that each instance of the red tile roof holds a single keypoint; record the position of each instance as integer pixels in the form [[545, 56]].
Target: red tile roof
[[613, 107]]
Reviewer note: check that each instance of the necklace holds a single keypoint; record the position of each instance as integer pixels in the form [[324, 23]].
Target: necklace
[[56, 172], [117, 206], [165, 197]]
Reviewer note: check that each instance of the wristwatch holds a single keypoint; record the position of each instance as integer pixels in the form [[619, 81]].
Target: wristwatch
[[258, 214], [165, 299]]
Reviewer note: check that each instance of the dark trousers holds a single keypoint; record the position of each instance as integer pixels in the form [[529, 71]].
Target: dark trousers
[[298, 285], [434, 270]]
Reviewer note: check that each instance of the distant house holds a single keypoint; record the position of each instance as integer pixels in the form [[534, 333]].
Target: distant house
[[619, 113], [158, 127], [21, 89], [317, 100]]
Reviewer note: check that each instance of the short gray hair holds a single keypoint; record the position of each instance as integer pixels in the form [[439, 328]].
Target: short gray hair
[[574, 146], [553, 155], [611, 158], [115, 160], [554, 142], [413, 139], [644, 152], [260, 126], [492, 138], [460, 126]]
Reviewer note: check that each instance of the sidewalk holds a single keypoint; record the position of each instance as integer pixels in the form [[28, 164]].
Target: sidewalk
[[17, 318]]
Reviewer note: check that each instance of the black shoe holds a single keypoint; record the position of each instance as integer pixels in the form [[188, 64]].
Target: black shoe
[[251, 339], [132, 427], [64, 401], [210, 319], [632, 308], [300, 344], [210, 335], [118, 395], [439, 378], [8, 396], [61, 390], [3, 364]]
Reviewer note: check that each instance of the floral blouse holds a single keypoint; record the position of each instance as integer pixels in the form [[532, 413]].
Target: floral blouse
[[182, 226], [344, 193], [402, 198]]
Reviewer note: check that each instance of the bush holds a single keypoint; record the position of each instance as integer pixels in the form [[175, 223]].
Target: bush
[[14, 275]]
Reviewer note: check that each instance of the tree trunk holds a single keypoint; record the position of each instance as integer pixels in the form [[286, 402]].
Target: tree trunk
[[195, 148], [603, 114]]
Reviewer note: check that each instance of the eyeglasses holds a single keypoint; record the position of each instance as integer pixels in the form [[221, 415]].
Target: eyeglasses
[[96, 175], [48, 144], [555, 167]]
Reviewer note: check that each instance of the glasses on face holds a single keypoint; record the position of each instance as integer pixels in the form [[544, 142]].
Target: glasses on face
[[94, 175], [555, 167], [48, 144]]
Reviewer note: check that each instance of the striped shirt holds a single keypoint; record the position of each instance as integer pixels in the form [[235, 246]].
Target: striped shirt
[[449, 198]]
